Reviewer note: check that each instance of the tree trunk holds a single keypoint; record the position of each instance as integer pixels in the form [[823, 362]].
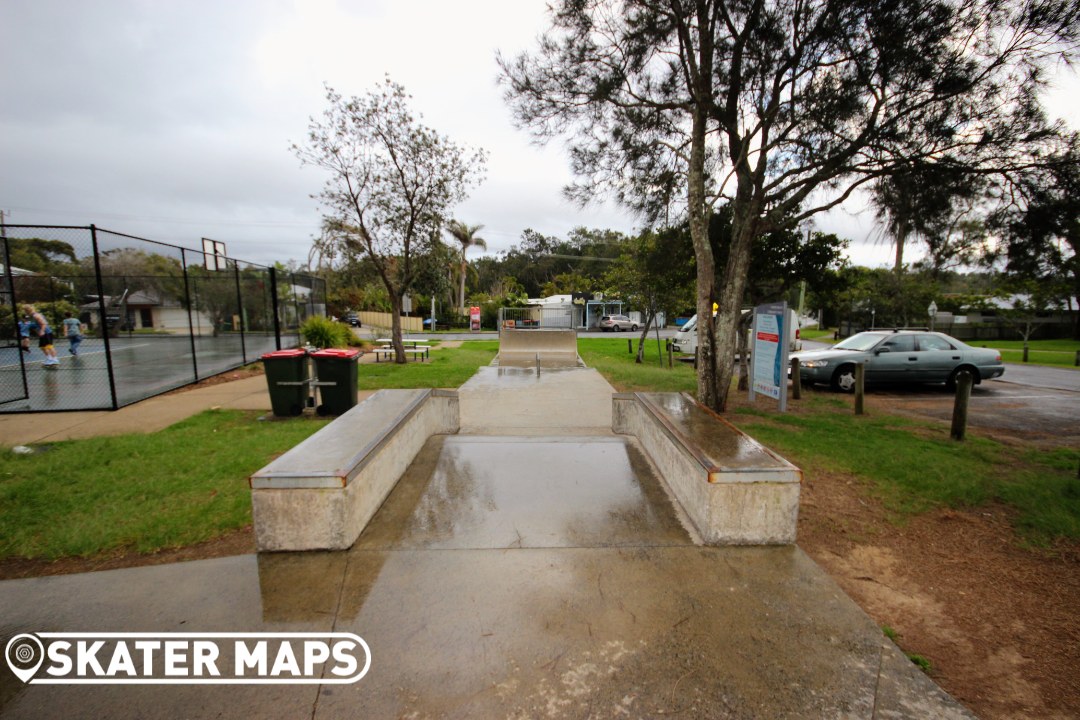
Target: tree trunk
[[743, 229], [707, 392], [901, 240], [650, 315], [744, 351], [464, 269], [395, 327]]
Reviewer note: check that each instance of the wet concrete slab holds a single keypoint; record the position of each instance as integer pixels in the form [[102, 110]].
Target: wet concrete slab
[[503, 633], [503, 492], [223, 595], [610, 632], [518, 401]]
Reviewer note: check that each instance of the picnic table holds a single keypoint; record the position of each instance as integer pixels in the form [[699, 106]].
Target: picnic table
[[419, 350], [406, 343]]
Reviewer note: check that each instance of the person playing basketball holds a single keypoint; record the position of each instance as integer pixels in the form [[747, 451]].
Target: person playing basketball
[[45, 336]]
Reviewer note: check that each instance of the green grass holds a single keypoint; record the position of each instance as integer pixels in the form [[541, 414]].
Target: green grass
[[1050, 358], [188, 483], [1067, 346], [611, 358], [447, 368], [143, 492], [913, 466], [1056, 353], [818, 334]]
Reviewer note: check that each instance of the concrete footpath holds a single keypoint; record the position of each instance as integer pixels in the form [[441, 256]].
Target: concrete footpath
[[147, 416], [531, 566]]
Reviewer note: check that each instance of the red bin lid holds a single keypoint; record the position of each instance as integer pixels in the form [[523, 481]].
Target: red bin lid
[[295, 352], [340, 353]]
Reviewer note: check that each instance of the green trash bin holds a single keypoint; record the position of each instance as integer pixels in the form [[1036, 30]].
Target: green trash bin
[[335, 369], [287, 379]]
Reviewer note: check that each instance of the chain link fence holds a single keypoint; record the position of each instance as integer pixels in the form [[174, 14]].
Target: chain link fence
[[150, 317]]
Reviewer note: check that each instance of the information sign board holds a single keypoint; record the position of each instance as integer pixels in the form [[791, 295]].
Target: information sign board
[[769, 353]]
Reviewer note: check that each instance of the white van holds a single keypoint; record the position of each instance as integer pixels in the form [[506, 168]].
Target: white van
[[686, 337]]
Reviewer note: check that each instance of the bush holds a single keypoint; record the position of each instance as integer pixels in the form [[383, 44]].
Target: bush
[[322, 332]]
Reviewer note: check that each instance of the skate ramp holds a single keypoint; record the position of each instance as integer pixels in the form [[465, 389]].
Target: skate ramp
[[544, 348]]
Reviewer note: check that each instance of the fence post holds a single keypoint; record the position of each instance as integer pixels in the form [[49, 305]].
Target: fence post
[[964, 382], [796, 380], [860, 389], [190, 317], [274, 307], [240, 310], [104, 318], [9, 281]]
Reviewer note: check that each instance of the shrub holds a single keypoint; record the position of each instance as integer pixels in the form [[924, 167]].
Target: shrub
[[322, 332]]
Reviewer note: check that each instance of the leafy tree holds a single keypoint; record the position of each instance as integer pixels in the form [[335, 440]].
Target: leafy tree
[[783, 108], [568, 283], [922, 199], [467, 237], [656, 274], [40, 255], [392, 184], [1041, 232]]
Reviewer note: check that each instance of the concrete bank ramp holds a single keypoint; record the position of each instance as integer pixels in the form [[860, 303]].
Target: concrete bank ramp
[[546, 348], [519, 401]]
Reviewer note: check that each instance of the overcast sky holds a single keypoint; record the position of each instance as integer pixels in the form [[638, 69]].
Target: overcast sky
[[171, 119]]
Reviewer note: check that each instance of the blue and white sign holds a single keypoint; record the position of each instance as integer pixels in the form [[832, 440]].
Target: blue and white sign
[[769, 353]]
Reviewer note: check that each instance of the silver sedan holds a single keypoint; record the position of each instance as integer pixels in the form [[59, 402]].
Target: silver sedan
[[898, 356]]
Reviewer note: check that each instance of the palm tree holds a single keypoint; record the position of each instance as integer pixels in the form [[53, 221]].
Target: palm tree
[[466, 235], [922, 200]]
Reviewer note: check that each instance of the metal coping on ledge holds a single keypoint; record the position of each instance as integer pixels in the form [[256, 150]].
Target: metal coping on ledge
[[334, 478]]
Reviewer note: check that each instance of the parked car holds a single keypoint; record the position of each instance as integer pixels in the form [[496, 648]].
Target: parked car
[[351, 318], [915, 356], [686, 336], [617, 323]]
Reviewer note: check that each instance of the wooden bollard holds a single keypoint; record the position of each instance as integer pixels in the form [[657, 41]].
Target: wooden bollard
[[964, 381], [796, 380], [629, 346], [860, 389]]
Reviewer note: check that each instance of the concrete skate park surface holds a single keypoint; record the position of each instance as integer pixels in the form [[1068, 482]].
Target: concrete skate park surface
[[531, 566], [543, 347]]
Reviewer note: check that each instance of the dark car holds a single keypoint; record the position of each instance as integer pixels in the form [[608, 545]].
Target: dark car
[[916, 356], [351, 318]]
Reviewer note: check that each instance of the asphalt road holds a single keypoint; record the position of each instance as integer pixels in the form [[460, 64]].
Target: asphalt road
[[1036, 403], [1042, 377]]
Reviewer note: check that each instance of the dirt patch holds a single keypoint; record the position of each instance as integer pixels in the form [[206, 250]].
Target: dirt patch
[[253, 370], [996, 620]]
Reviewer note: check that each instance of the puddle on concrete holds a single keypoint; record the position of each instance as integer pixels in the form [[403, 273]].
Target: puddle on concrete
[[512, 492]]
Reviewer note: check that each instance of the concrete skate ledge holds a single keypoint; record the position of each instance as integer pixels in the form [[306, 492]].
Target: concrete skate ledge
[[733, 489], [322, 493]]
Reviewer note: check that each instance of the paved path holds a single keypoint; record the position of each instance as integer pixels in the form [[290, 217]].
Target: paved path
[[530, 567], [145, 416]]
